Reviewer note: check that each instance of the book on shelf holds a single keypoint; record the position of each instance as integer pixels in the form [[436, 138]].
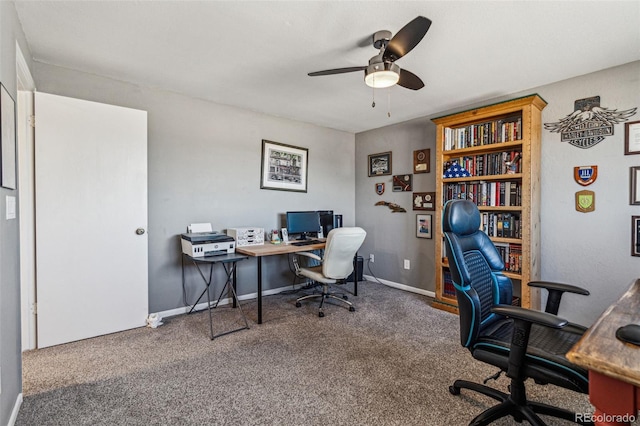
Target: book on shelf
[[503, 130], [448, 289]]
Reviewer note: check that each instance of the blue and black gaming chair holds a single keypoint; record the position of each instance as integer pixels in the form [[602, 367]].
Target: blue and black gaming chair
[[521, 342]]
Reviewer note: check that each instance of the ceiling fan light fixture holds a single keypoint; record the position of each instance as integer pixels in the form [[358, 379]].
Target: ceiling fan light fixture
[[381, 75]]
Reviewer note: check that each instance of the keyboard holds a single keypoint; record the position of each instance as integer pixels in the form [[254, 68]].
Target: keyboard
[[305, 243]]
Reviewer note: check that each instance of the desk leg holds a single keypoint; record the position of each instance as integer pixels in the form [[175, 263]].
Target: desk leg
[[615, 401], [259, 289], [235, 284], [355, 275]]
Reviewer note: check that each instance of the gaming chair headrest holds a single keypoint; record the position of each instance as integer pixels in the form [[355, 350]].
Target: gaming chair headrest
[[460, 217]]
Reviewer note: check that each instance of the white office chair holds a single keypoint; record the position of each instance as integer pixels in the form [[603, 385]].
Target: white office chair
[[336, 264]]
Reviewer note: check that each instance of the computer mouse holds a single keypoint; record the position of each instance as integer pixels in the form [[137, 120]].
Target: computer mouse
[[629, 333]]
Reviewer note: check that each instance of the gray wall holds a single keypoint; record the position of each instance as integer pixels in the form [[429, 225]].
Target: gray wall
[[10, 346], [394, 234], [204, 166], [588, 249]]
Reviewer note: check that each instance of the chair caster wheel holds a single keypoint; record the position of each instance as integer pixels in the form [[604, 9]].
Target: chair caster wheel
[[352, 309], [298, 304], [454, 390], [321, 314], [345, 297]]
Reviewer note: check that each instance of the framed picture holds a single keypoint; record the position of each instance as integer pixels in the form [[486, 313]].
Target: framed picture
[[635, 236], [424, 200], [403, 183], [380, 164], [632, 138], [634, 186], [8, 138], [421, 161], [284, 167], [423, 226]]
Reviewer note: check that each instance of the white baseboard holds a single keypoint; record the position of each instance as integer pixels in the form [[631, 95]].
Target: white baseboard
[[203, 305], [401, 286], [16, 409]]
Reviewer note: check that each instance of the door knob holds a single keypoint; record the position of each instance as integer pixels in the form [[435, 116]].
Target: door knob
[[140, 231]]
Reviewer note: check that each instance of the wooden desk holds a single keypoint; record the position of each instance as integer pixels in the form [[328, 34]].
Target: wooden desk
[[614, 366], [277, 249]]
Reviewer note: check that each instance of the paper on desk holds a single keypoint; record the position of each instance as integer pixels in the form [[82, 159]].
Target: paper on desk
[[199, 227]]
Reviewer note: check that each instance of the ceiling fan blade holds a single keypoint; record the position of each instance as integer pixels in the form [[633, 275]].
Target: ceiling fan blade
[[336, 71], [409, 80], [406, 39]]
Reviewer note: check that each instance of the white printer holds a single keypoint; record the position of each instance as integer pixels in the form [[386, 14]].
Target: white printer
[[201, 241]]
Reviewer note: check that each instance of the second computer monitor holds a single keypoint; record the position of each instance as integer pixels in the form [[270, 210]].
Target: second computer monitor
[[303, 224]]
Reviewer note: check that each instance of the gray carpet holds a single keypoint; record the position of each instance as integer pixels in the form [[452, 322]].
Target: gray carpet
[[388, 363]]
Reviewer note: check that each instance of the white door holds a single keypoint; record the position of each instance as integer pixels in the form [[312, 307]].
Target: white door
[[91, 205]]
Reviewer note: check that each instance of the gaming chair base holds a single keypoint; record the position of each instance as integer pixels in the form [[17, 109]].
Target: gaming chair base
[[525, 410]]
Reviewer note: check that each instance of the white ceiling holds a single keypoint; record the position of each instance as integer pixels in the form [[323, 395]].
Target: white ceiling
[[256, 55]]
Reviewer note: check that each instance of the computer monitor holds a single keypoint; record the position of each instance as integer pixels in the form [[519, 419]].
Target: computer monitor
[[326, 221], [303, 223]]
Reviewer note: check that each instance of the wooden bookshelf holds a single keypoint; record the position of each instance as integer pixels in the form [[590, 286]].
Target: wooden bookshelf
[[487, 139]]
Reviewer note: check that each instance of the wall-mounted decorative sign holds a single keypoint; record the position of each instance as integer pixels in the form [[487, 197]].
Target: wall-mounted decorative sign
[[585, 201], [424, 200], [380, 188], [423, 226], [403, 183], [395, 208], [585, 175], [284, 167], [421, 161], [380, 164], [635, 235], [589, 123], [634, 186], [8, 138], [632, 138]]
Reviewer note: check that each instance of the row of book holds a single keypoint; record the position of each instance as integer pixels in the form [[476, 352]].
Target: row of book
[[497, 163], [448, 290], [502, 225], [512, 257], [486, 194], [503, 130]]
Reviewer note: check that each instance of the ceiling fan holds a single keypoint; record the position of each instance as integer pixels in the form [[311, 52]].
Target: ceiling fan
[[382, 70]]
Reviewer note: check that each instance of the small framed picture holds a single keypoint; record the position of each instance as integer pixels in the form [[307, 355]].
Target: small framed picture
[[380, 164], [634, 186], [423, 226], [632, 138], [421, 161], [424, 200], [635, 236], [402, 183]]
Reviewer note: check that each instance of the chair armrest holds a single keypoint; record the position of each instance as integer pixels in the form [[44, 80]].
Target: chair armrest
[[549, 285], [533, 317], [522, 321], [556, 290], [309, 254]]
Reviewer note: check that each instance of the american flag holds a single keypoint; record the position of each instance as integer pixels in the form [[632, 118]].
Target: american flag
[[456, 171]]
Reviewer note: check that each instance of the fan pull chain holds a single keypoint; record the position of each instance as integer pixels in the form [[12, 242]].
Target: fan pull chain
[[373, 93], [389, 102]]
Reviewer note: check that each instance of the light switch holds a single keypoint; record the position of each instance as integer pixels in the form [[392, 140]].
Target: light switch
[[11, 207]]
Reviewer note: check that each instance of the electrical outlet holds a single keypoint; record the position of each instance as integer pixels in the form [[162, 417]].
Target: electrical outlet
[[407, 264], [371, 259]]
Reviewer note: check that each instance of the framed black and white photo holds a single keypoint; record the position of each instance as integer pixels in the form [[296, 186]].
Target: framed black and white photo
[[380, 164], [634, 186], [635, 236], [632, 138], [284, 167], [423, 226], [8, 138]]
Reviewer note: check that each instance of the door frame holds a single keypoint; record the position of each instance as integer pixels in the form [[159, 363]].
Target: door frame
[[26, 200]]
